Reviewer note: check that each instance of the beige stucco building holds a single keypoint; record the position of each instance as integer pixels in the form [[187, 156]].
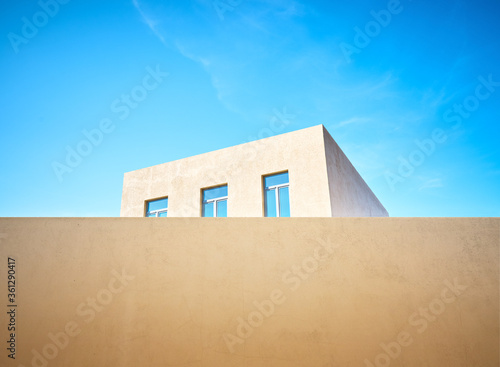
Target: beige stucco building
[[299, 174]]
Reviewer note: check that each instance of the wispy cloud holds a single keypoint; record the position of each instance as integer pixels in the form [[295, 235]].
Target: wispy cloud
[[352, 120], [247, 59], [151, 23], [183, 50], [431, 184]]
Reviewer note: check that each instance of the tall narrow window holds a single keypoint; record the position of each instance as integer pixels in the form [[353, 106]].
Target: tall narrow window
[[276, 197], [215, 202], [157, 208]]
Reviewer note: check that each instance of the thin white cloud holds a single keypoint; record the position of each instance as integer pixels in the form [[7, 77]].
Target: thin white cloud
[[352, 120], [184, 52], [230, 69], [151, 23], [431, 184]]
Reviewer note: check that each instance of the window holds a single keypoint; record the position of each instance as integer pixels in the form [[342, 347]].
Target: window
[[215, 202], [276, 197], [157, 208]]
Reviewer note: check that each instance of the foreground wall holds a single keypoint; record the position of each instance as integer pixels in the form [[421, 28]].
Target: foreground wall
[[262, 292]]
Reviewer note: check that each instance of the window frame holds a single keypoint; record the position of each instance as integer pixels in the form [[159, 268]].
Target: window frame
[[214, 201], [157, 212], [276, 189]]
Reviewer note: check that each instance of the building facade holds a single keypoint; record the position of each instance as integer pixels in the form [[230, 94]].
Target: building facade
[[298, 174]]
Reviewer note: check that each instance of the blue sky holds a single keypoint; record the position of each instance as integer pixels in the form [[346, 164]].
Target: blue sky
[[410, 91]]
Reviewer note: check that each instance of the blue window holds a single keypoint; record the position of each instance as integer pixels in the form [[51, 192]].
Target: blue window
[[157, 208], [276, 196], [215, 202]]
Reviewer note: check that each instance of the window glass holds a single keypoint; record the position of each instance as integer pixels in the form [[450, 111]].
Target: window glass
[[270, 203], [222, 208], [157, 204], [208, 209], [273, 180], [284, 202], [157, 208], [215, 202], [276, 195], [214, 193]]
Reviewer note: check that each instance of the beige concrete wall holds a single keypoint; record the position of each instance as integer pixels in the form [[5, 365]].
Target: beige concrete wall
[[350, 196], [240, 167], [319, 292]]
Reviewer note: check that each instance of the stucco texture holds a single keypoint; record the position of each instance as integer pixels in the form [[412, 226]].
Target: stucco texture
[[350, 196], [323, 183], [253, 292]]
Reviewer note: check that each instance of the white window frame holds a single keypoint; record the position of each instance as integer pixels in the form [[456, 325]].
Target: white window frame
[[156, 213], [215, 201], [277, 189]]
